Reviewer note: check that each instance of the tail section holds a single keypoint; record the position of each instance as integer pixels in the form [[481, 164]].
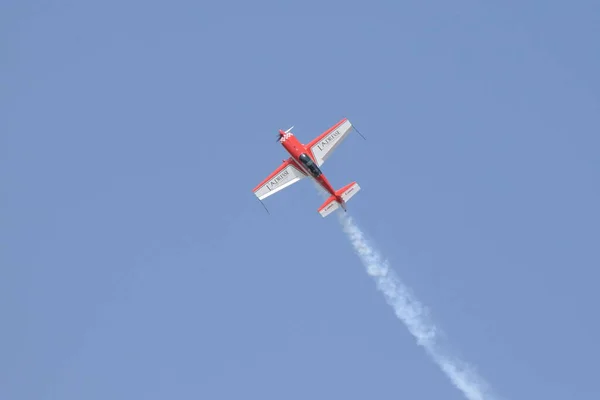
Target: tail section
[[340, 199]]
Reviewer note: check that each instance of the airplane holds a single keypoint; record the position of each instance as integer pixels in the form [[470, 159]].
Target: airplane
[[305, 161]]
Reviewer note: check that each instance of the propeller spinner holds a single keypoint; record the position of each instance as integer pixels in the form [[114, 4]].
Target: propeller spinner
[[279, 135]]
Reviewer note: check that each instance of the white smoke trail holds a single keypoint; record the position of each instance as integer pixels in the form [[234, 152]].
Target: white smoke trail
[[410, 311]]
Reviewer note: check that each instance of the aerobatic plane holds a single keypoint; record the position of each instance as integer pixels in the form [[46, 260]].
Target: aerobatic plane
[[305, 161]]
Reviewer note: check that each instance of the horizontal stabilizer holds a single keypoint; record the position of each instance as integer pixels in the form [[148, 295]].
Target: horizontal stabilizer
[[329, 206], [348, 191]]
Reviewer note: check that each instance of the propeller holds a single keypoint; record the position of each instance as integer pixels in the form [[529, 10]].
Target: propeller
[[279, 134]]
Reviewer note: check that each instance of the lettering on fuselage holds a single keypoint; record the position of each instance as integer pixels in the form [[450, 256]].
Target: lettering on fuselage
[[275, 181], [327, 141]]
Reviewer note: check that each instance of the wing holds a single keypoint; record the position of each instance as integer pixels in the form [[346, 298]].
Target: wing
[[322, 147], [285, 175]]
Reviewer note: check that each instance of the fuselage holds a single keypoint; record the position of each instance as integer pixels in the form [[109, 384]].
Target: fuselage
[[302, 157]]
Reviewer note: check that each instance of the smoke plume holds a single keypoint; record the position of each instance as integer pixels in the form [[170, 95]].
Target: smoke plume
[[414, 316]]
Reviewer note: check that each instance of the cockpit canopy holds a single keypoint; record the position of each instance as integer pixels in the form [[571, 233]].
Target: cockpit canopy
[[310, 165]]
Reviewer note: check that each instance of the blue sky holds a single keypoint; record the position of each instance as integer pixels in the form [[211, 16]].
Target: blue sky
[[136, 262]]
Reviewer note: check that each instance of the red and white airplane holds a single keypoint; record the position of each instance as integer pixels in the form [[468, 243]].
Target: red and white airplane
[[305, 161]]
